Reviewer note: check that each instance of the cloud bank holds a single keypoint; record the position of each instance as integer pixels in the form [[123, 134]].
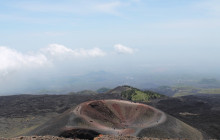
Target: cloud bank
[[13, 60], [57, 49]]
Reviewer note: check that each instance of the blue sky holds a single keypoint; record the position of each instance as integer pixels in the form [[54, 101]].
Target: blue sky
[[30, 25], [111, 35]]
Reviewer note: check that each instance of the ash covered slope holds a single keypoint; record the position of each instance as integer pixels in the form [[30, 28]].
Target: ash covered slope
[[116, 117], [16, 110], [20, 114], [199, 111]]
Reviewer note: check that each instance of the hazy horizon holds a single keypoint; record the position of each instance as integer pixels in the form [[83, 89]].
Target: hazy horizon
[[144, 43]]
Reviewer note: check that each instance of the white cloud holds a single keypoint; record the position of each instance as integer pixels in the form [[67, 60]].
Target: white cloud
[[61, 50], [57, 49], [11, 59], [123, 49]]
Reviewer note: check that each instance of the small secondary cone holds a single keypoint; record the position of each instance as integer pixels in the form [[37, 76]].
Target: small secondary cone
[[117, 117]]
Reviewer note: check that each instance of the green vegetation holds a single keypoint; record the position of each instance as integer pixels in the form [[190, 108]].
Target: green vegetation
[[134, 94], [12, 127], [185, 90], [210, 91]]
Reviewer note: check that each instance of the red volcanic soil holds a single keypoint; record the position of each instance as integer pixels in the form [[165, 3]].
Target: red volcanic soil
[[119, 117]]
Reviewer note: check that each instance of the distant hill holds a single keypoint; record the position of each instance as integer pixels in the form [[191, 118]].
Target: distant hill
[[119, 90], [165, 90], [85, 92], [176, 91], [209, 81], [134, 94], [103, 90]]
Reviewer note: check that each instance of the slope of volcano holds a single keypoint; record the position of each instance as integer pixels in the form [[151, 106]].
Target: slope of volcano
[[116, 117]]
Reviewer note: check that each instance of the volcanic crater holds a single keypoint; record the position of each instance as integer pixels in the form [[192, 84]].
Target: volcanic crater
[[116, 117], [119, 117]]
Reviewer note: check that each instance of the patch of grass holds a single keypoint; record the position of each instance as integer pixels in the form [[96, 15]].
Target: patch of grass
[[140, 96], [134, 94], [20, 126], [22, 131], [185, 90], [210, 91]]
